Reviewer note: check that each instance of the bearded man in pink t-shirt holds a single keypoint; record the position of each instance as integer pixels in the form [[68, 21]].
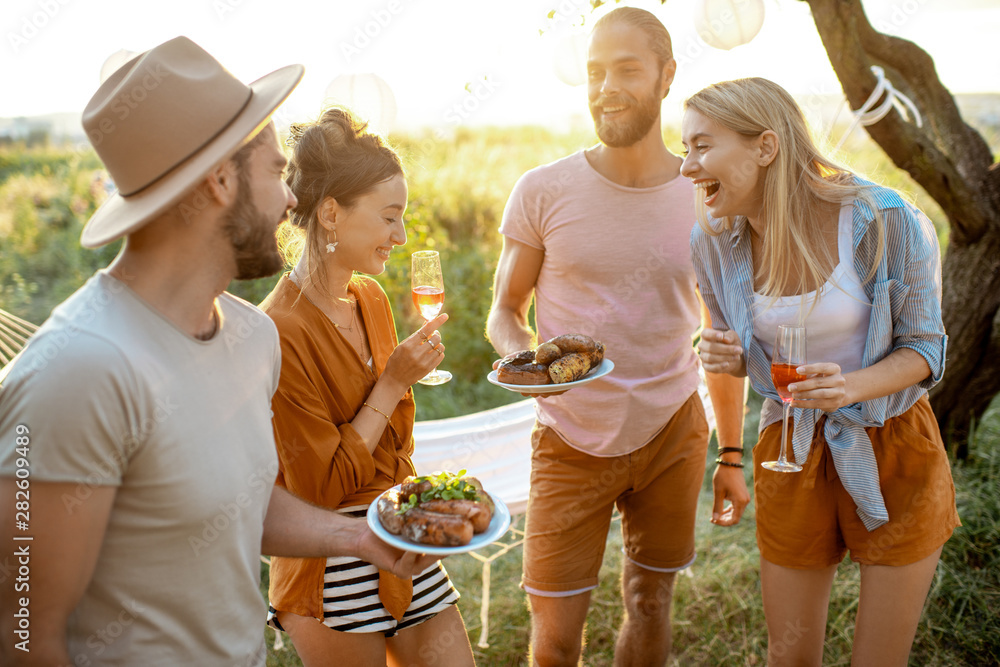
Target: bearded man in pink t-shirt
[[600, 240]]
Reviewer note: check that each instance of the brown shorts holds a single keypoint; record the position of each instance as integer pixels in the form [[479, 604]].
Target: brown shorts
[[806, 520], [573, 495]]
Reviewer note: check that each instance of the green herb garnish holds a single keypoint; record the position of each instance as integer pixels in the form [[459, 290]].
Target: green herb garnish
[[447, 486]]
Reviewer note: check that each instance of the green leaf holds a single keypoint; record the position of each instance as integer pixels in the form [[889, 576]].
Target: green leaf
[[410, 503]]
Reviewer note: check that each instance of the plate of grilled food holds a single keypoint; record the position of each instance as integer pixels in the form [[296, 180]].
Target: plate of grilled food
[[442, 514], [557, 365]]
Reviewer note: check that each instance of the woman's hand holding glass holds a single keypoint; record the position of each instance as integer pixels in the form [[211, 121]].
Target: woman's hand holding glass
[[418, 354], [824, 388], [722, 352]]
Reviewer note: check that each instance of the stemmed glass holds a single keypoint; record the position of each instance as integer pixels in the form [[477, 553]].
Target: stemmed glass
[[427, 282], [789, 354]]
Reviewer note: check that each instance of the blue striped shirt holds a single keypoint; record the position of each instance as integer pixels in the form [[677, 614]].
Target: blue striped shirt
[[905, 293]]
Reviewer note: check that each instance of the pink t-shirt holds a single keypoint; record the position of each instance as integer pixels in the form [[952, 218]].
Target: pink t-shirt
[[618, 268]]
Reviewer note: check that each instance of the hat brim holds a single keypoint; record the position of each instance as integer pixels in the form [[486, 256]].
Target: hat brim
[[119, 216]]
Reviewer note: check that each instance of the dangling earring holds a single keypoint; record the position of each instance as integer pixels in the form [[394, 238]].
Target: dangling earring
[[331, 246]]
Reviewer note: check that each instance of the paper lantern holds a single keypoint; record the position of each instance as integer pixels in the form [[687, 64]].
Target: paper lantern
[[725, 24], [569, 59], [368, 96], [114, 61]]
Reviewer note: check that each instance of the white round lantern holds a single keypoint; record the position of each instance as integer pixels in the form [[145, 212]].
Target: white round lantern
[[114, 61], [725, 24], [569, 58], [368, 96]]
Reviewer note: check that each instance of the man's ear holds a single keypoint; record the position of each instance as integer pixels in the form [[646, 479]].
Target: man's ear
[[767, 145], [222, 183], [669, 69]]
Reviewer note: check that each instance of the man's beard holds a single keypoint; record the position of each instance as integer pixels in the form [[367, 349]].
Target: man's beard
[[622, 133], [252, 236]]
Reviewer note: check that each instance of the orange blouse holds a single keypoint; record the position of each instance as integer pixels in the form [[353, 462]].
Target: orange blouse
[[322, 459]]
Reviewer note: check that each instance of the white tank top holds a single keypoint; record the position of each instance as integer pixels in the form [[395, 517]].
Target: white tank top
[[837, 328]]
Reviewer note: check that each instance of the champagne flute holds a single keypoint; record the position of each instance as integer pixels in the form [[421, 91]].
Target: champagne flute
[[427, 282], [789, 354]]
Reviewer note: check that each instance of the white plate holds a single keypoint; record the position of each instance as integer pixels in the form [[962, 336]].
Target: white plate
[[498, 526], [606, 367]]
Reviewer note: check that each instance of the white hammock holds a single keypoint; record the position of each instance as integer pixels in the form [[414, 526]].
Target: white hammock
[[14, 333], [493, 445]]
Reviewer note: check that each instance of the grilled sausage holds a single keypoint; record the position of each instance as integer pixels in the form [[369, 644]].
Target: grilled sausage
[[569, 343], [597, 356], [546, 353], [478, 513], [483, 497], [569, 368], [434, 528], [520, 368], [406, 489], [388, 512]]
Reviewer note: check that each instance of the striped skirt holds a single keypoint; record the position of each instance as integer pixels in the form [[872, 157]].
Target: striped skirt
[[351, 602]]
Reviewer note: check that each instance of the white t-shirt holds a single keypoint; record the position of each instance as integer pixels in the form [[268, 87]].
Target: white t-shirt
[[617, 267], [837, 327], [115, 395]]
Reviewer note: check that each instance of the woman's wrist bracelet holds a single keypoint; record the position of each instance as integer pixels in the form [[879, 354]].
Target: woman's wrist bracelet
[[369, 405], [730, 464], [731, 450]]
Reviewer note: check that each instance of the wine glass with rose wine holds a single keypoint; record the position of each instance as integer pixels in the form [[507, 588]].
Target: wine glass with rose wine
[[789, 354], [427, 282]]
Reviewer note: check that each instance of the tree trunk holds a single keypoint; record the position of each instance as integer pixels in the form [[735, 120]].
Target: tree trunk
[[952, 162]]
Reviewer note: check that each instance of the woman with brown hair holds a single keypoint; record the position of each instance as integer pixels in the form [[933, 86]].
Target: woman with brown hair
[[344, 411], [789, 237]]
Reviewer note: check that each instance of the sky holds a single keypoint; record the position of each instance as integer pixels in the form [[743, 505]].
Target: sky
[[450, 62]]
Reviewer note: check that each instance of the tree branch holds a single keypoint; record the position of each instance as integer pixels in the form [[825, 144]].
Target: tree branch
[[949, 159]]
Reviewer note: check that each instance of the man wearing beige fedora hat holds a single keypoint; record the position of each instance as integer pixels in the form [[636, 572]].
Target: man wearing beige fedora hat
[[137, 460]]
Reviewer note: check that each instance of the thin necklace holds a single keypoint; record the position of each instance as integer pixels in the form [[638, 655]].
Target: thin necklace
[[294, 277], [354, 313]]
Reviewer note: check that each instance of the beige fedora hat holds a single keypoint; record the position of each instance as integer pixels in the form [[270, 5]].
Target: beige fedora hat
[[164, 120]]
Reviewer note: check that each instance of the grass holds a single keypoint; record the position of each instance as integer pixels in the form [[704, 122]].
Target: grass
[[718, 618]]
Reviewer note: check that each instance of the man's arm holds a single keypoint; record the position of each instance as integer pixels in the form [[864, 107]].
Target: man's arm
[[728, 396], [293, 527], [507, 325], [67, 528]]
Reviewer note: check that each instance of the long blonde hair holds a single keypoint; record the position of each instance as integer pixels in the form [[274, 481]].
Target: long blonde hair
[[797, 184]]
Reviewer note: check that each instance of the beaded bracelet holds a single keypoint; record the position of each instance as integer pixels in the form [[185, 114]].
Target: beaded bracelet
[[369, 405], [720, 462]]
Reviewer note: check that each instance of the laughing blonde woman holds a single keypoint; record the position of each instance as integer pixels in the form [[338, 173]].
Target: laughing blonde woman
[[787, 236]]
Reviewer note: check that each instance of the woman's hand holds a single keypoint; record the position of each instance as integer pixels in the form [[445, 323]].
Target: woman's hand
[[418, 354], [825, 389], [721, 352]]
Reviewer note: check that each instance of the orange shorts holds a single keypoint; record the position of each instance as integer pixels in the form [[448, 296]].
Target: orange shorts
[[573, 495], [806, 520]]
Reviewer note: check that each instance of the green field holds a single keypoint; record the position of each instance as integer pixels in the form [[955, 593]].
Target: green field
[[458, 186]]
